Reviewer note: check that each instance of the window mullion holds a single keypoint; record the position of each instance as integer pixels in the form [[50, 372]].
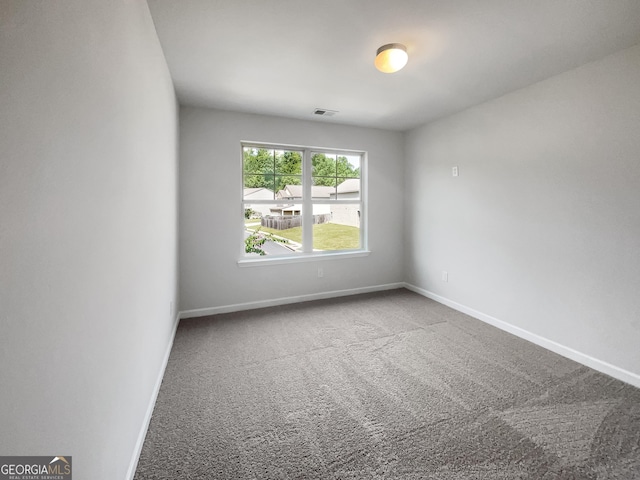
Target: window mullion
[[307, 206]]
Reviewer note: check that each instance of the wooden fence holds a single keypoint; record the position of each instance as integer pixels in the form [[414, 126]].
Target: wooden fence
[[290, 221]]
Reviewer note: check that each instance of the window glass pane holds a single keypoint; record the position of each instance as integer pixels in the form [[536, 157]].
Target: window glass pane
[[277, 233], [258, 160], [288, 162], [333, 170], [336, 227], [348, 188], [289, 192], [324, 181], [348, 166], [289, 185], [265, 181], [259, 181], [323, 190], [323, 165], [257, 193]]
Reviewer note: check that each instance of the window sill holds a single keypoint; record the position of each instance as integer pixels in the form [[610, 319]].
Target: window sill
[[304, 257]]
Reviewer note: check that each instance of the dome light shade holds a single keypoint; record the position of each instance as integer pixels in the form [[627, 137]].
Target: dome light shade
[[391, 57]]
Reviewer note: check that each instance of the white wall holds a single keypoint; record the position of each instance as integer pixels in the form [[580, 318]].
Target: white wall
[[88, 253], [542, 227], [211, 238]]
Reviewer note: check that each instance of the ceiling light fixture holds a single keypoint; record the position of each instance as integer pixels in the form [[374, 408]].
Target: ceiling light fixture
[[391, 57]]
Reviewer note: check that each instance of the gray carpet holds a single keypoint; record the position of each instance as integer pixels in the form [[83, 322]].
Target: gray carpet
[[388, 385]]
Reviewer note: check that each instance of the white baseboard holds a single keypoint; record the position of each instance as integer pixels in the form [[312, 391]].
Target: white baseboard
[[202, 312], [152, 403], [587, 360]]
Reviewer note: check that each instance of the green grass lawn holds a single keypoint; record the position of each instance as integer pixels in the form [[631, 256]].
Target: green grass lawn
[[326, 236]]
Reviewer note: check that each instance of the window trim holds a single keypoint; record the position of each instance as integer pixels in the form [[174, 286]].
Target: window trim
[[301, 258], [307, 203]]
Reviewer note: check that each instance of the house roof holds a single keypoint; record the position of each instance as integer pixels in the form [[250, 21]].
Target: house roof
[[295, 191], [351, 185], [249, 191]]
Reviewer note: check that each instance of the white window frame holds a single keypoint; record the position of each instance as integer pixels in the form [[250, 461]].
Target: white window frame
[[307, 203]]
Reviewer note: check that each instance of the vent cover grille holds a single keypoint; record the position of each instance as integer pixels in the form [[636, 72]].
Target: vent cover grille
[[324, 112]]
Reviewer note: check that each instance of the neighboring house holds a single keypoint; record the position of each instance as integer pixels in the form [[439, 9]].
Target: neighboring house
[[260, 193], [346, 214], [342, 214], [350, 188], [291, 193]]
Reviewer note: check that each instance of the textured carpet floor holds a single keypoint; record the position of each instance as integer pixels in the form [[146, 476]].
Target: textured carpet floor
[[388, 385]]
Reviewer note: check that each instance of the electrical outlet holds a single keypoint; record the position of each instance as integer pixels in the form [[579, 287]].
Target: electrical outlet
[[454, 171], [445, 276], [320, 272]]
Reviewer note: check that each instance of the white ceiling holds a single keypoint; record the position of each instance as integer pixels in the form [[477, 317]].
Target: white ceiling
[[288, 57]]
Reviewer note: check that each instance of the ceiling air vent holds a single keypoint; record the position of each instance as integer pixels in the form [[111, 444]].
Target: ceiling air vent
[[324, 112]]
